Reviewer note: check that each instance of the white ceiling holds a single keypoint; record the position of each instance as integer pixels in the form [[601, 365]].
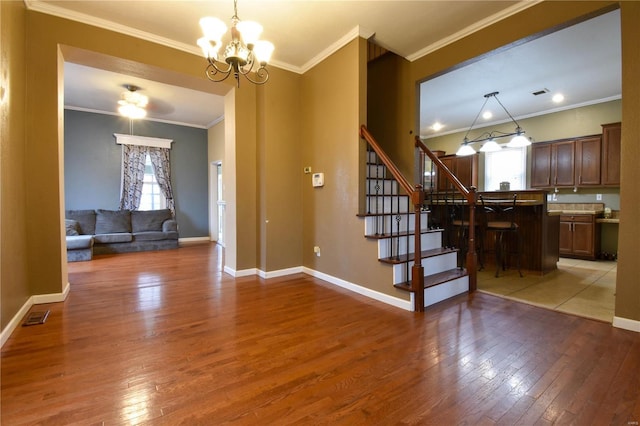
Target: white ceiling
[[581, 62], [305, 32]]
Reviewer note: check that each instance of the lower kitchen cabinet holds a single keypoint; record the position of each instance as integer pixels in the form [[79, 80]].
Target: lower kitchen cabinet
[[579, 236]]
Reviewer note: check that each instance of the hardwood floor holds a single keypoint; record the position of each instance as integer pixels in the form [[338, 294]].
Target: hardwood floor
[[167, 338]]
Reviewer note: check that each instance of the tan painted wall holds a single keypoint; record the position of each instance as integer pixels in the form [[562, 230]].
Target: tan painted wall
[[334, 106], [628, 285], [14, 260], [280, 172]]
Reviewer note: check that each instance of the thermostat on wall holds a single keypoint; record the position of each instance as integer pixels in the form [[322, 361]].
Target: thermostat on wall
[[317, 179]]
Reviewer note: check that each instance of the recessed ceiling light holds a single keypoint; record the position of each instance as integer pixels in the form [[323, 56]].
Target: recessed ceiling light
[[437, 126], [487, 115], [558, 97]]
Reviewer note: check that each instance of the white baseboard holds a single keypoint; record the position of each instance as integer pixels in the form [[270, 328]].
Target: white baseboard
[[39, 299], [36, 299], [376, 295], [280, 272], [193, 239], [240, 273], [627, 324]]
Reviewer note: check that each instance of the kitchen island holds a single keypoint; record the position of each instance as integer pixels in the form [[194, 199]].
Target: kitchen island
[[538, 228]]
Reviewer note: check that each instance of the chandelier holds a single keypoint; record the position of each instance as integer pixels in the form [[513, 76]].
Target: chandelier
[[132, 104], [242, 54], [518, 140]]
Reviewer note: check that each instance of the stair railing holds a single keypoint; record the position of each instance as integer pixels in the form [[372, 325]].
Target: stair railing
[[416, 197], [469, 195]]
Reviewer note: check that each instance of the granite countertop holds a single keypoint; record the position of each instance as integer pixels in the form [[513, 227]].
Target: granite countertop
[[575, 208]]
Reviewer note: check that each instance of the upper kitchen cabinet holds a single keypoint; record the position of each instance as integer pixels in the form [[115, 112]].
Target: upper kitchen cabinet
[[588, 151], [611, 154], [567, 163], [464, 168], [553, 164]]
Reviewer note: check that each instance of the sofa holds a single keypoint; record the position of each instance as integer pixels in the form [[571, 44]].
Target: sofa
[[90, 232]]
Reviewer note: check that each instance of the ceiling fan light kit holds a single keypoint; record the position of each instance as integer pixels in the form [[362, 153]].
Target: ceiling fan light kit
[[132, 104], [490, 145], [244, 54]]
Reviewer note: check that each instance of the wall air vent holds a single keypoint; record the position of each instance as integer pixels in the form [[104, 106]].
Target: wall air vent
[[540, 92]]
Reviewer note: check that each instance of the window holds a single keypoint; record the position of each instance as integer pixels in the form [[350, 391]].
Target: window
[[152, 198], [506, 165]]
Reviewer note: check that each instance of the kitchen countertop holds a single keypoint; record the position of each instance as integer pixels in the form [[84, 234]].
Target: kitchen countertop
[[575, 208]]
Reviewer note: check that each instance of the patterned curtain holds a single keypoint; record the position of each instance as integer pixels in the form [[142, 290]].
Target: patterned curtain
[[162, 169], [133, 159]]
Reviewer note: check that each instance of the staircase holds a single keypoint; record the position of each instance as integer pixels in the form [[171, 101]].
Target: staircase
[[390, 220]]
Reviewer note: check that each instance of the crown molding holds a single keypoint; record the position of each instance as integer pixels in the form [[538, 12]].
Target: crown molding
[[147, 118], [357, 31], [52, 9], [477, 26]]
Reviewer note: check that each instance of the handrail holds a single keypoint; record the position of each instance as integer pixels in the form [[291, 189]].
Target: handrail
[[450, 176], [414, 192], [416, 195], [470, 196]]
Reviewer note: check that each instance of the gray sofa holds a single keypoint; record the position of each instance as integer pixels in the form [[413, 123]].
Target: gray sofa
[[118, 231]]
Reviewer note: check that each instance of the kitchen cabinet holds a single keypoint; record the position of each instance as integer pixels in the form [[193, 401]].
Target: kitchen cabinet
[[541, 165], [566, 163], [611, 154], [464, 168], [579, 236], [587, 161], [553, 164]]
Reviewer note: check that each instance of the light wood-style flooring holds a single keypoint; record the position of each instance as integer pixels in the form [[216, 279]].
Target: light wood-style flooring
[[166, 338], [581, 287]]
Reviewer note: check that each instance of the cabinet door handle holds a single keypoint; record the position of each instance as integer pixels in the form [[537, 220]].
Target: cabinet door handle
[[580, 179]]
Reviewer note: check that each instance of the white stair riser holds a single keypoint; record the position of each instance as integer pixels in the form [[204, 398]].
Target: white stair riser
[[372, 157], [389, 204], [386, 187], [399, 245], [382, 224], [431, 265], [433, 295]]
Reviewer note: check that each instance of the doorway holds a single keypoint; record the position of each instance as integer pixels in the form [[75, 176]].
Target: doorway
[[218, 204]]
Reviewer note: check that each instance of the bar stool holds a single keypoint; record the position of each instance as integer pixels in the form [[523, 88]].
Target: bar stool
[[503, 225]]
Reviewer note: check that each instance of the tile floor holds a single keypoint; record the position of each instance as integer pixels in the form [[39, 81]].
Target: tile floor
[[579, 287]]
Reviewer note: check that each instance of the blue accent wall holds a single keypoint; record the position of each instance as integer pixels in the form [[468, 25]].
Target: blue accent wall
[[92, 164]]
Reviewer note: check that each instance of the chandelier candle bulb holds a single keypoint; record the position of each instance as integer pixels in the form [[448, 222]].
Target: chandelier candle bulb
[[244, 54]]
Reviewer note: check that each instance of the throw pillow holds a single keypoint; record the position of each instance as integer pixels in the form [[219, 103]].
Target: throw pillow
[[71, 227], [86, 220], [113, 221]]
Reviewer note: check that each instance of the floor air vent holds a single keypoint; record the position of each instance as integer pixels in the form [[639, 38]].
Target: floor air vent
[[35, 318]]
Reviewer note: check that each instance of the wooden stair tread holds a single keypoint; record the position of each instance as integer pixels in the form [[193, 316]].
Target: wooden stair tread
[[387, 195], [387, 214], [436, 279], [400, 234], [404, 258]]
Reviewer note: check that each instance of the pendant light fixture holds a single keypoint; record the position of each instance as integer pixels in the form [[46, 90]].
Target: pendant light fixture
[[518, 140], [241, 55]]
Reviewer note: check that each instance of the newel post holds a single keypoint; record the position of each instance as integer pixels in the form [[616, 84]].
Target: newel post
[[417, 271], [472, 256]]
